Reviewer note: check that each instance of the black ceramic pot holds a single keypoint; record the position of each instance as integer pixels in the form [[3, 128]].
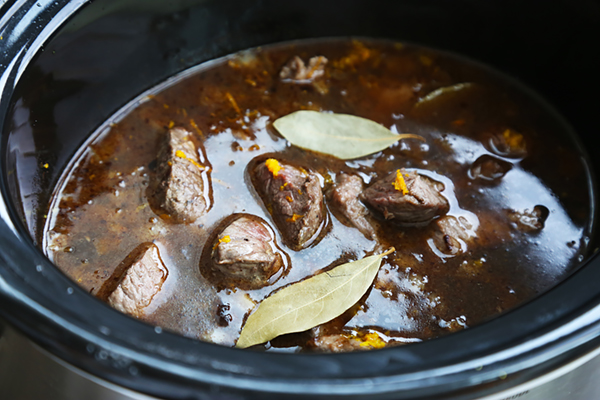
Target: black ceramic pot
[[67, 65]]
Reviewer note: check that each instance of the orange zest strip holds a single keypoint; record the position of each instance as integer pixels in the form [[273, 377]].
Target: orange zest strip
[[233, 103], [373, 340], [195, 126], [225, 239], [273, 166], [294, 218], [400, 184], [181, 154]]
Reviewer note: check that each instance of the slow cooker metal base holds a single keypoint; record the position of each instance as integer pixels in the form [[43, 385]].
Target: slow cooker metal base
[[27, 372]]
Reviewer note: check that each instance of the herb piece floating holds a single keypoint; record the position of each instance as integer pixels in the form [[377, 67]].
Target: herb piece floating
[[442, 91], [340, 135], [311, 302]]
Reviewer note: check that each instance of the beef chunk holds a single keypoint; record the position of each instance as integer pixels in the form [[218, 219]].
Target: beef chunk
[[489, 168], [452, 236], [294, 198], [245, 253], [135, 281], [508, 143], [529, 220], [178, 189], [336, 343], [417, 202], [344, 197], [296, 71]]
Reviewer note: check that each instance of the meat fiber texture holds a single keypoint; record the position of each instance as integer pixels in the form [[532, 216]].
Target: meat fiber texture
[[295, 200], [138, 279], [179, 186], [419, 206], [245, 252], [344, 197], [296, 71], [452, 234]]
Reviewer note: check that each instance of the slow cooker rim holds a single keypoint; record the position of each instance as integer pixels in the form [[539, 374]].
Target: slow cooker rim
[[13, 279], [565, 342]]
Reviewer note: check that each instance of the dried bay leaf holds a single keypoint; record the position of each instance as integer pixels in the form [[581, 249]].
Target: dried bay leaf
[[340, 135], [311, 302]]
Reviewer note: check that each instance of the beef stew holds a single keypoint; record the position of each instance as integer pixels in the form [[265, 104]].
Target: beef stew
[[490, 210]]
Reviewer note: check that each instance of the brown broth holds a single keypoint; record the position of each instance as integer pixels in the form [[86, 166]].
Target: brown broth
[[100, 211]]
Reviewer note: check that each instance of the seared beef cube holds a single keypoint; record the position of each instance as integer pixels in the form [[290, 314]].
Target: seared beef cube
[[245, 253], [294, 198], [529, 220], [336, 343], [296, 71], [136, 281], [489, 168], [508, 143], [179, 186], [452, 235], [344, 197], [407, 197]]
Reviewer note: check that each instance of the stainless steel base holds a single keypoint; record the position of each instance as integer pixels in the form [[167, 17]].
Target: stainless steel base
[[579, 380], [28, 372]]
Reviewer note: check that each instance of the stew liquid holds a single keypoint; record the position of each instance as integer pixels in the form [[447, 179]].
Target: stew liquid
[[510, 170]]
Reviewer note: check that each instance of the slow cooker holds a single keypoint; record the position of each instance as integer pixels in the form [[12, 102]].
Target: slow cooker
[[66, 65]]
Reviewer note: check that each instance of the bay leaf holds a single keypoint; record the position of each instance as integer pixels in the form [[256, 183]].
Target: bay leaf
[[340, 135], [443, 91], [311, 302]]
